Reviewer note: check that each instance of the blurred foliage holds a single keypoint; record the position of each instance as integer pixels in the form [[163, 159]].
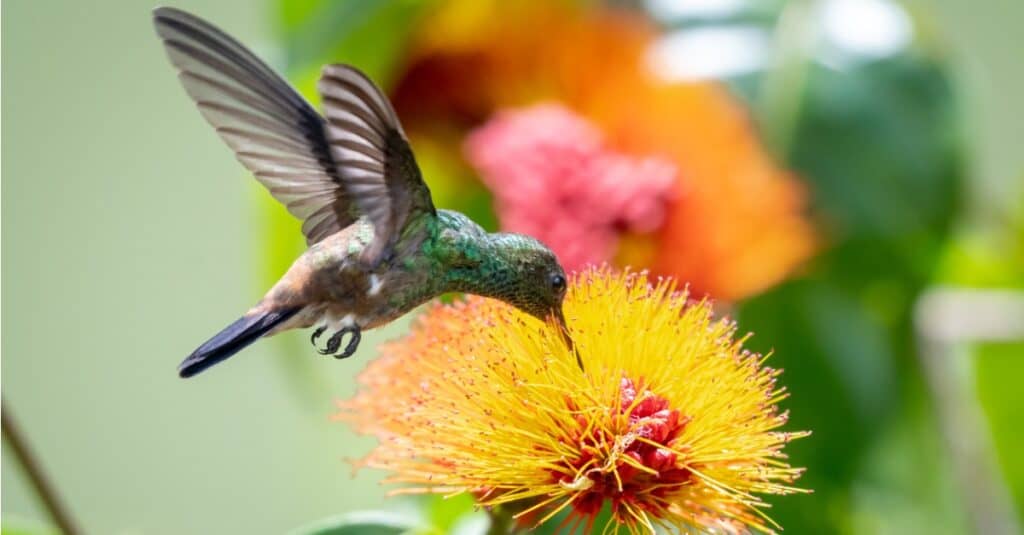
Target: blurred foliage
[[369, 33], [1003, 404], [990, 254], [422, 515], [987, 255], [430, 515], [880, 146]]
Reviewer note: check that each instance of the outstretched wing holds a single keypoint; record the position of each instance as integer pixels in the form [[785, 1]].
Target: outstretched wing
[[274, 132], [377, 166]]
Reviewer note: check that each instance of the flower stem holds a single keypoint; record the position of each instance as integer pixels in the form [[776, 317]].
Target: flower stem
[[44, 490]]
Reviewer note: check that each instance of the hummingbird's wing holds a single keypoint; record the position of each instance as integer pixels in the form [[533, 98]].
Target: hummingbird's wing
[[274, 132], [376, 164]]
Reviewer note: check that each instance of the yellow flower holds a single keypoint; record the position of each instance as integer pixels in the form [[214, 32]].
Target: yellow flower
[[672, 423]]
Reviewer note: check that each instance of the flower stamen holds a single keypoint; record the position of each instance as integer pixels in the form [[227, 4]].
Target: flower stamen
[[477, 400]]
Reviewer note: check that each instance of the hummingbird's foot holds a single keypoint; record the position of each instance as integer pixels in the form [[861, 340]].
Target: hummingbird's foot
[[335, 341], [332, 344], [316, 334]]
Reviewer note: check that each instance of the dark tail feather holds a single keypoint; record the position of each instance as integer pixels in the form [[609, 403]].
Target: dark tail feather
[[233, 339]]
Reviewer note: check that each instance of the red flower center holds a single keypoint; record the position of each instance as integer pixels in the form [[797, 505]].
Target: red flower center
[[630, 460]]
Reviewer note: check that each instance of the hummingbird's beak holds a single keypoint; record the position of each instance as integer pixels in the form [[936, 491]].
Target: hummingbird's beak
[[563, 329]]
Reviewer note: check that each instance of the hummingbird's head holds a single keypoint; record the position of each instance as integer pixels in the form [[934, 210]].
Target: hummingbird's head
[[541, 289], [514, 268], [535, 282]]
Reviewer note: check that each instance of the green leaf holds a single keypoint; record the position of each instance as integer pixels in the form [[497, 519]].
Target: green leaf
[[987, 254], [422, 515], [789, 322], [367, 523], [444, 513], [899, 490], [998, 368], [880, 146]]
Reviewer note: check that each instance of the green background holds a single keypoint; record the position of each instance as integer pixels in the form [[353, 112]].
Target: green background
[[129, 237]]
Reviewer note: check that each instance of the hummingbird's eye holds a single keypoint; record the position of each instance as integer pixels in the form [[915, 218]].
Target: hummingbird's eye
[[558, 283]]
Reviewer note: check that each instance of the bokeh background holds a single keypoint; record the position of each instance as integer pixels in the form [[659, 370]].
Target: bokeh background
[[846, 179]]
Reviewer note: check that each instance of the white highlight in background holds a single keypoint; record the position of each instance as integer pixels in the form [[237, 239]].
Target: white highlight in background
[[680, 9], [867, 28], [709, 53]]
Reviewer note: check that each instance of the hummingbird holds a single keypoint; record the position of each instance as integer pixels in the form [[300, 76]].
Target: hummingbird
[[377, 246]]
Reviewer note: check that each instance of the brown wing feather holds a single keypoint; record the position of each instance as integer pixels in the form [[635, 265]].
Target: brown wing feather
[[377, 166], [274, 132]]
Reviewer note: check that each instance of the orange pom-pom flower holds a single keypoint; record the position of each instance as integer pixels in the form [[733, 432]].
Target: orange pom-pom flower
[[672, 423]]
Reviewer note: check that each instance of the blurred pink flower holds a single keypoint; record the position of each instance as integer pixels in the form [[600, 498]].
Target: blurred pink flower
[[554, 178]]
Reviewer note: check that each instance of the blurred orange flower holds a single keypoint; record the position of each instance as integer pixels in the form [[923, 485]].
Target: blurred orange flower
[[480, 398], [735, 225]]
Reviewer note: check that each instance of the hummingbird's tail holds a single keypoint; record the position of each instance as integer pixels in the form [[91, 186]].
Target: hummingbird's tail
[[233, 339]]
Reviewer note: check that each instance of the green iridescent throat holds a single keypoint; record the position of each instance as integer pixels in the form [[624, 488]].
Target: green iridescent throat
[[457, 255]]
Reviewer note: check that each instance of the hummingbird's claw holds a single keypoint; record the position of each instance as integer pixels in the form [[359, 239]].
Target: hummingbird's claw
[[316, 334], [334, 342], [353, 342]]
